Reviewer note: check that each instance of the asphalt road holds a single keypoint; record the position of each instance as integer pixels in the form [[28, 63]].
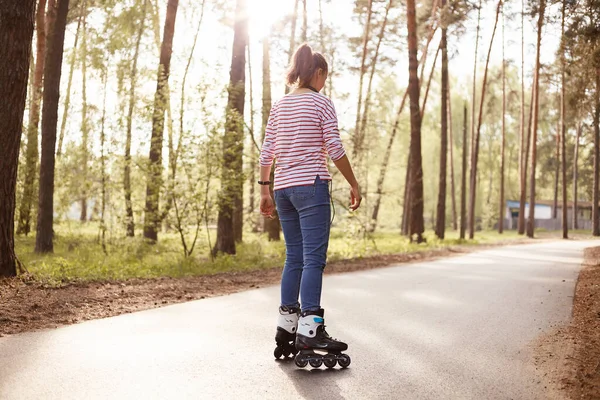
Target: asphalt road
[[456, 328]]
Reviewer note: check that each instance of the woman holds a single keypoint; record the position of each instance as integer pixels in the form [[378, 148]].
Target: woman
[[302, 131]]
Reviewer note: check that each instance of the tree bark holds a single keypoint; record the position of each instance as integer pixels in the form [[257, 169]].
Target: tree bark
[[451, 146], [503, 150], [304, 22], [84, 117], [292, 47], [463, 184], [429, 81], [523, 151], [536, 84], [31, 154], [556, 170], [565, 222], [358, 140], [416, 171], [73, 60], [595, 216], [575, 176], [475, 150], [271, 226], [152, 217], [129, 219], [16, 32], [473, 100], [233, 142], [440, 225], [103, 161], [52, 72]]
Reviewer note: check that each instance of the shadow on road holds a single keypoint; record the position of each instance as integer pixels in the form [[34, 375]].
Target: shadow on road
[[314, 383]]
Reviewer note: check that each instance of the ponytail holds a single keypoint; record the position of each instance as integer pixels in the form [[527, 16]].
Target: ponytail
[[304, 65]]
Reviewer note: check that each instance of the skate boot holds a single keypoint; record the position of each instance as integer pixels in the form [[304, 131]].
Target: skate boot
[[316, 346], [287, 325]]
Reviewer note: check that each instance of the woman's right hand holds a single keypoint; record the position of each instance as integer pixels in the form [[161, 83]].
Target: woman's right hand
[[355, 197], [267, 206]]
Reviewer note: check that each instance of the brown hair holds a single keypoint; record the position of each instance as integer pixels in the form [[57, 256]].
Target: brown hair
[[304, 65]]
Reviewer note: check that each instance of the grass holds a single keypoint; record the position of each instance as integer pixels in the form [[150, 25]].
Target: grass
[[78, 255]]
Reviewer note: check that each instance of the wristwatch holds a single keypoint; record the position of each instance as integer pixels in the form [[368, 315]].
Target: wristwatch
[[264, 183]]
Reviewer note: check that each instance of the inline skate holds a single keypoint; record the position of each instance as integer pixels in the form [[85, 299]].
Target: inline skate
[[314, 344], [287, 324]]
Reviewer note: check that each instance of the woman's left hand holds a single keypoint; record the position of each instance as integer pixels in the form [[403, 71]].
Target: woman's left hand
[[267, 206]]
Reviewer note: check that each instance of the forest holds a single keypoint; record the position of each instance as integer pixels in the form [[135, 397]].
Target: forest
[[130, 129]]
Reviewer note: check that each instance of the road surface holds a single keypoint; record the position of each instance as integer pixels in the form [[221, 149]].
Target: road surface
[[455, 328]]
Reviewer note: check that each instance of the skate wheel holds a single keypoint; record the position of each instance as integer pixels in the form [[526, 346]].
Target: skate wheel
[[329, 361], [278, 353], [300, 361], [344, 360], [286, 353], [316, 363], [294, 351]]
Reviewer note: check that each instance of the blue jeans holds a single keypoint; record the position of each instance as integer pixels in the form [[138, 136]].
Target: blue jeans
[[305, 214]]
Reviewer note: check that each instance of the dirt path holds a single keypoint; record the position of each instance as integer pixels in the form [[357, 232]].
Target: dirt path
[[568, 358]]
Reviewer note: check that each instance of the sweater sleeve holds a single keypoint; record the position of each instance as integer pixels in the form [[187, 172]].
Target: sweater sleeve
[[267, 153], [331, 133]]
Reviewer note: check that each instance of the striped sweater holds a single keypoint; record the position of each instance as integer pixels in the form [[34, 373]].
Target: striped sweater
[[302, 131]]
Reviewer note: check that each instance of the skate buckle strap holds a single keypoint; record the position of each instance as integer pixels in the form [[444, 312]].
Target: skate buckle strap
[[319, 320]]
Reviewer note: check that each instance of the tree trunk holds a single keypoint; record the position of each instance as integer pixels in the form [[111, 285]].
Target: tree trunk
[[304, 23], [73, 60], [367, 103], [84, 117], [16, 32], [451, 146], [384, 165], [503, 150], [358, 140], [536, 84], [565, 223], [475, 150], [429, 81], [416, 171], [440, 225], [473, 100], [31, 154], [152, 217], [524, 149], [129, 219], [253, 152], [463, 184], [233, 142], [52, 73], [271, 226], [103, 161], [556, 171], [575, 176], [292, 39], [595, 221]]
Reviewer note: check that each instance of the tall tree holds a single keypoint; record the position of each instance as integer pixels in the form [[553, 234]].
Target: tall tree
[[575, 175], [451, 146], [103, 176], [84, 116], [503, 149], [416, 168], [440, 226], [463, 180], [72, 68], [474, 97], [52, 72], [271, 226], [536, 92], [154, 180], [292, 47], [16, 32], [565, 227], [129, 220], [362, 72], [304, 22], [31, 153], [523, 150], [233, 141], [475, 150], [596, 195]]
